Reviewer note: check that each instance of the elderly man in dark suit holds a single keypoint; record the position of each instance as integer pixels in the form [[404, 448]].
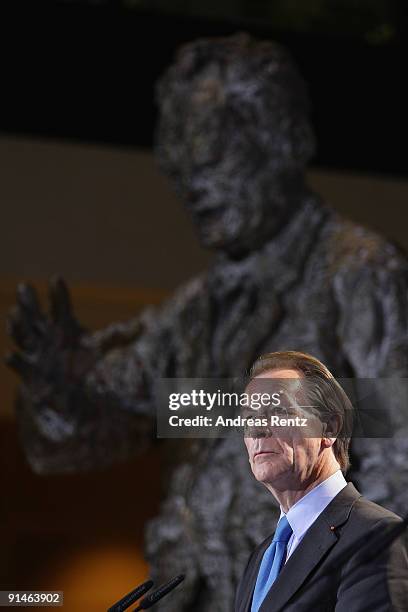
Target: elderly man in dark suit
[[332, 548]]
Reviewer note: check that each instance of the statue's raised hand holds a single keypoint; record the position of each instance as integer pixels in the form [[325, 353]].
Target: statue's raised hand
[[52, 352], [69, 412]]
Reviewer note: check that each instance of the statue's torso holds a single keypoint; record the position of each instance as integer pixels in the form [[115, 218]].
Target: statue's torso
[[289, 300]]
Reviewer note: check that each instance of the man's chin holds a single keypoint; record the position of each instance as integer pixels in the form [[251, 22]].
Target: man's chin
[[274, 476], [265, 476]]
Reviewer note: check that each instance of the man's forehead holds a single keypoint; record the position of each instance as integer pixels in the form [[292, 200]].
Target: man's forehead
[[276, 381], [279, 373]]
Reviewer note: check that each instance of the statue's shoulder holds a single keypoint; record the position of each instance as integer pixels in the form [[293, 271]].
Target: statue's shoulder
[[354, 247]]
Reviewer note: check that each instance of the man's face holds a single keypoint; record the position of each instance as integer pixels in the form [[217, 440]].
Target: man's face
[[230, 183], [283, 459]]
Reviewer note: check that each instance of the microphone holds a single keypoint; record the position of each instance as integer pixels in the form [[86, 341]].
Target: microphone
[[150, 600], [131, 597]]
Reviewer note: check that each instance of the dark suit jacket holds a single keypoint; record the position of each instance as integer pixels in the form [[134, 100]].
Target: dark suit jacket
[[349, 560]]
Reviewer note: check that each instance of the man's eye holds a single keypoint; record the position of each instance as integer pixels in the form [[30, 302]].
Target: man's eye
[[278, 411]]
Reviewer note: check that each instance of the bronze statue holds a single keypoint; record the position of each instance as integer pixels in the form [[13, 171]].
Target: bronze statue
[[234, 135]]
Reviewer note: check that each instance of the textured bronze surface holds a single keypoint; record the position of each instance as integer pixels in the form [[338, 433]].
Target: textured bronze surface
[[289, 273]]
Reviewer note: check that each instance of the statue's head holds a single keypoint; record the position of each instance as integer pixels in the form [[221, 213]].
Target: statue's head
[[234, 136]]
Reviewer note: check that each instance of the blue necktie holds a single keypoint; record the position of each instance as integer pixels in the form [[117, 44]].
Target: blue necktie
[[272, 562]]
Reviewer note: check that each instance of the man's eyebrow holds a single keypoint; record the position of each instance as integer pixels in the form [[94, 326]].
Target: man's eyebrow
[[254, 414]]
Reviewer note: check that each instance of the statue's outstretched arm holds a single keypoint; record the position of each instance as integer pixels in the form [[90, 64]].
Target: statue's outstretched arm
[[84, 398]]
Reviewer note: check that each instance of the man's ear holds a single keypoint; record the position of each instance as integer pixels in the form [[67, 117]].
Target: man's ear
[[331, 429], [327, 442]]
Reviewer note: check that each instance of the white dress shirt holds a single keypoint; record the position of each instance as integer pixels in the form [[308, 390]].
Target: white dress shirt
[[304, 513]]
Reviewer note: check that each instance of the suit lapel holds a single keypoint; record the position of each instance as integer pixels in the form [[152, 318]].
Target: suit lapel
[[318, 540], [251, 576]]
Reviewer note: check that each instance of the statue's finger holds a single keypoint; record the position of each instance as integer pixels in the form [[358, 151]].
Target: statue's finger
[[19, 364], [29, 304], [60, 302], [28, 300], [20, 330]]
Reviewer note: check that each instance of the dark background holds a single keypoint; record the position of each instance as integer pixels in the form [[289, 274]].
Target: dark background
[[85, 70]]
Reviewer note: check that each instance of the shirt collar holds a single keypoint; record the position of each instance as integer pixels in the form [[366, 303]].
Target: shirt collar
[[304, 513]]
